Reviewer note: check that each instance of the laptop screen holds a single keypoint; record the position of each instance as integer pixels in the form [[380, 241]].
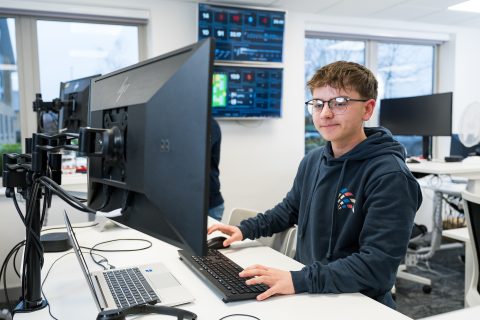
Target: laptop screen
[[81, 258]]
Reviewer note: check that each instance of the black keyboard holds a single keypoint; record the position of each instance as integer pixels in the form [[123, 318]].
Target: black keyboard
[[222, 273], [129, 287]]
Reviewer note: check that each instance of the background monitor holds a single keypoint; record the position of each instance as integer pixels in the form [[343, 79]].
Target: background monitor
[[429, 115], [243, 34], [160, 174], [246, 92], [74, 113]]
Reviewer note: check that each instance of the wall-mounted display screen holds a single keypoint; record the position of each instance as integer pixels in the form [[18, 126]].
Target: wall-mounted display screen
[[243, 34], [246, 92]]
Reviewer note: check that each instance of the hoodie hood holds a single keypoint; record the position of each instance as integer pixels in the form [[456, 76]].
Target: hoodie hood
[[379, 142]]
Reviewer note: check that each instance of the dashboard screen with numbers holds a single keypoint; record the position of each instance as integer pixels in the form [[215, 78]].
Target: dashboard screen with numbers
[[243, 34], [246, 92]]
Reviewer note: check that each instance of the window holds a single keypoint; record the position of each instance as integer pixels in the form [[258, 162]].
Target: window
[[67, 50], [402, 70], [73, 50], [405, 70], [9, 101], [320, 52]]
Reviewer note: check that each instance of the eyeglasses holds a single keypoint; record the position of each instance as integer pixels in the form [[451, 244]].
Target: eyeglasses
[[337, 105]]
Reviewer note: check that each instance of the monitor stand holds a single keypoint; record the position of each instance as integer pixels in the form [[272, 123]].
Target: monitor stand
[[427, 148]]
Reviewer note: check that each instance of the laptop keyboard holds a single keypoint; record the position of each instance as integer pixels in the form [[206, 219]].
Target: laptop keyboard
[[222, 273], [129, 287]]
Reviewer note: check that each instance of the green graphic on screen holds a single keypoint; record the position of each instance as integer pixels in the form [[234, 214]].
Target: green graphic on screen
[[219, 90]]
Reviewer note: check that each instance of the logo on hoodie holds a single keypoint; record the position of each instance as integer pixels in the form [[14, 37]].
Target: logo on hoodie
[[345, 199]]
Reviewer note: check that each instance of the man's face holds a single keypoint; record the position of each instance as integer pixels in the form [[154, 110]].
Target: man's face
[[346, 127]]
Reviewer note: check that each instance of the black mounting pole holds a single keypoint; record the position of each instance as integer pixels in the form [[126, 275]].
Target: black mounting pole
[[33, 292], [23, 171], [427, 147]]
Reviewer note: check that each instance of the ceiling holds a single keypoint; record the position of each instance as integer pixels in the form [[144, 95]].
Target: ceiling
[[424, 11]]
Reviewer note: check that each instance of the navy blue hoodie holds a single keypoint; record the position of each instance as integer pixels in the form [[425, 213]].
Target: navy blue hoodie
[[354, 215]]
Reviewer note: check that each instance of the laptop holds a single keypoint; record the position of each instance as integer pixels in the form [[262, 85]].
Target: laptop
[[122, 288]]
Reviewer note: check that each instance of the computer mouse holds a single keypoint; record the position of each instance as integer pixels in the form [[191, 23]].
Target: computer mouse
[[412, 160], [216, 243]]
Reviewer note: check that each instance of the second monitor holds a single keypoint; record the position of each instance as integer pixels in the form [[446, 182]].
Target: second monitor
[[74, 114]]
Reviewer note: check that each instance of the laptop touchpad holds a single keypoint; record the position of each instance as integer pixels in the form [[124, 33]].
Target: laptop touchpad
[[163, 280]]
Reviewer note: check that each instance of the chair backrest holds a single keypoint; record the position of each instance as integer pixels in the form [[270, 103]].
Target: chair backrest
[[472, 212], [284, 242]]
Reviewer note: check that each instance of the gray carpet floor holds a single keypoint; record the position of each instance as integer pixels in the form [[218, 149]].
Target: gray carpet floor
[[447, 272]]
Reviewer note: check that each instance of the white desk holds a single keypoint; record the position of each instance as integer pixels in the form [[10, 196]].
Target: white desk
[[70, 297], [461, 234], [471, 171]]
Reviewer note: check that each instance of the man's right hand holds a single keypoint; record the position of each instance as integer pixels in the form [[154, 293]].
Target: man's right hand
[[234, 233]]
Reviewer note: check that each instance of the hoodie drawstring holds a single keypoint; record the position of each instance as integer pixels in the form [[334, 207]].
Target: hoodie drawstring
[[332, 228], [301, 228]]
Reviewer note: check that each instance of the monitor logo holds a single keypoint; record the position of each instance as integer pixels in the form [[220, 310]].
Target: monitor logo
[[123, 88]]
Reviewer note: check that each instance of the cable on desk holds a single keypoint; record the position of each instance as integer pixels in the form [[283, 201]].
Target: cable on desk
[[239, 315], [3, 270], [48, 273], [98, 262], [80, 227]]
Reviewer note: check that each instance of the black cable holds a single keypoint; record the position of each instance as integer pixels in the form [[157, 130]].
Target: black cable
[[114, 250], [239, 315], [18, 207], [80, 227], [68, 198], [3, 270], [150, 244], [48, 305], [45, 279], [14, 260]]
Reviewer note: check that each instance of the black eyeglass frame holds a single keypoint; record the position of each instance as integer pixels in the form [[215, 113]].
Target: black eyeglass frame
[[335, 110]]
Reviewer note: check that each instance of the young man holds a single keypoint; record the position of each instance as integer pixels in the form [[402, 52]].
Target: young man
[[353, 200]]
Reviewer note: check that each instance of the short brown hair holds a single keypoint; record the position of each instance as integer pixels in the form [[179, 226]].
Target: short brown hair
[[346, 75]]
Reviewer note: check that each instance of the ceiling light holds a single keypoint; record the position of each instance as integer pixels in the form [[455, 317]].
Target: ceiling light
[[470, 6]]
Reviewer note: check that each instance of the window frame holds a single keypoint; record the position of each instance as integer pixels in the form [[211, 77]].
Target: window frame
[[28, 67]]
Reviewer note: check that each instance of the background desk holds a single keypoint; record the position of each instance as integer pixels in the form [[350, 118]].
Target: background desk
[[70, 298], [471, 171]]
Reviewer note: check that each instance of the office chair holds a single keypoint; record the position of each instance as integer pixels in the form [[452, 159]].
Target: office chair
[[283, 242], [472, 212], [411, 260]]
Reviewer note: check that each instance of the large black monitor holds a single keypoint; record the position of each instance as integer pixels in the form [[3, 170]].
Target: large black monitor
[[75, 95], [243, 34], [427, 116], [246, 92], [159, 175]]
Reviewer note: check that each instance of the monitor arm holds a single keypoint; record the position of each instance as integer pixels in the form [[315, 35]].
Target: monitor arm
[[38, 172], [40, 107]]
